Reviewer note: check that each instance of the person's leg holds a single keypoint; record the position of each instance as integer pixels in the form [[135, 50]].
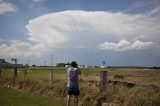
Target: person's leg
[[70, 92], [68, 100], [76, 94], [75, 100]]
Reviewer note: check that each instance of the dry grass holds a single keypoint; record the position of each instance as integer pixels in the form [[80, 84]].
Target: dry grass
[[145, 93]]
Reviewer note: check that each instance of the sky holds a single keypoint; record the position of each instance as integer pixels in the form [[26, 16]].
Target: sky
[[120, 32]]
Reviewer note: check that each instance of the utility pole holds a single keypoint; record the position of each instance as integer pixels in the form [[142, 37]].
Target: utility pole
[[51, 73], [28, 62]]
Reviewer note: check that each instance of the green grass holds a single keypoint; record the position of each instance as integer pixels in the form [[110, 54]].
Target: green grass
[[11, 97], [145, 93], [89, 71], [44, 72]]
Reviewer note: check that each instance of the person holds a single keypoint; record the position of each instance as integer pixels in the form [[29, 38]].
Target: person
[[73, 83]]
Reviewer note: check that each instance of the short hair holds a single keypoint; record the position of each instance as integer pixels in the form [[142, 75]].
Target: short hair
[[73, 64]]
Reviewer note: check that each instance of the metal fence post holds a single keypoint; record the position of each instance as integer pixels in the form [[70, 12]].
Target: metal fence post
[[51, 78], [25, 70], [51, 73]]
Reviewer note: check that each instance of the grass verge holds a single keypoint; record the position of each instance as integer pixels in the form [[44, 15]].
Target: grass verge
[[11, 97]]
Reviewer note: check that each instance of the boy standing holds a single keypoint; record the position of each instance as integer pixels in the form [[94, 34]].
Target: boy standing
[[73, 83]]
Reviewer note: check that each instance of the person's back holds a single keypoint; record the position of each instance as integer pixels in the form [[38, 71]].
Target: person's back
[[73, 77], [73, 85]]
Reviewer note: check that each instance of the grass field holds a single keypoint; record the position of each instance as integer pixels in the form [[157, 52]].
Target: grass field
[[146, 91], [44, 72], [11, 97]]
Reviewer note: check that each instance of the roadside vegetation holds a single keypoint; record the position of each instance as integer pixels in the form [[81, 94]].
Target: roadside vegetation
[[12, 97], [144, 92]]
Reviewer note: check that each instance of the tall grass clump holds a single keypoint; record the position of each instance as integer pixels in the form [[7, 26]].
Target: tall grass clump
[[137, 96]]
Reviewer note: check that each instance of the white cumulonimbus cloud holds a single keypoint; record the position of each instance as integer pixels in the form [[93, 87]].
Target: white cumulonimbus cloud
[[88, 29], [81, 27], [7, 7], [124, 45]]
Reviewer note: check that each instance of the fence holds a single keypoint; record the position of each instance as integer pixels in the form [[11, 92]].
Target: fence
[[15, 67], [47, 73]]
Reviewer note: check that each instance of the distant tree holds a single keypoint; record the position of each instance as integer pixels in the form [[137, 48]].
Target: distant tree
[[33, 65], [60, 65], [2, 60]]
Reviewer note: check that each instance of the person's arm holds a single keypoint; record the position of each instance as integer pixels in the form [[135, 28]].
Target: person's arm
[[68, 72], [79, 71]]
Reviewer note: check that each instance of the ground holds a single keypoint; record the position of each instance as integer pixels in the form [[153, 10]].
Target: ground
[[145, 92], [12, 97]]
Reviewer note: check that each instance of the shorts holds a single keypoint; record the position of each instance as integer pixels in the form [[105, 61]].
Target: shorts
[[73, 90]]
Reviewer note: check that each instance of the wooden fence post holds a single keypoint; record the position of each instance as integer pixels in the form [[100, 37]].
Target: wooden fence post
[[0, 72], [15, 73], [103, 80], [25, 73]]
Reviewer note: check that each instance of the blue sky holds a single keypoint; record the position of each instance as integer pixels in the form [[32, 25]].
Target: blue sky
[[121, 32]]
